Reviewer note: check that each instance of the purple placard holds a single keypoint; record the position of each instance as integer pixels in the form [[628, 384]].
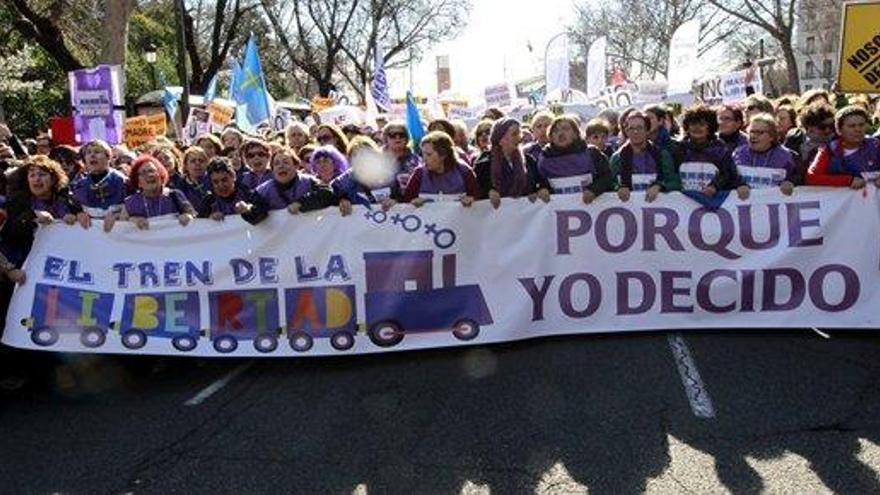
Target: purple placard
[[93, 96]]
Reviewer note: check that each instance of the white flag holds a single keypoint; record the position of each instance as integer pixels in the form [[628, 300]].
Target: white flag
[[556, 65], [683, 52], [372, 112], [596, 68]]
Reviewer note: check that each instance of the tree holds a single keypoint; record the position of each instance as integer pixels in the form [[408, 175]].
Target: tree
[[332, 42], [639, 32], [776, 18]]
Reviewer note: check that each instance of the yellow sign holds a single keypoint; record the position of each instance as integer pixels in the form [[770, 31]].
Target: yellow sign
[[221, 115], [138, 131], [320, 103], [158, 124], [859, 66]]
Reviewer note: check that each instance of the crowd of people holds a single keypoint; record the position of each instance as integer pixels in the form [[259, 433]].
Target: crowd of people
[[705, 152]]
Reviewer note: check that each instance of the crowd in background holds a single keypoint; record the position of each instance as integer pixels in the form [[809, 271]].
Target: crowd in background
[[817, 138]]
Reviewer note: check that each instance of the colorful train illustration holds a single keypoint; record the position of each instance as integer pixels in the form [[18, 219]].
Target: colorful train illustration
[[400, 300]]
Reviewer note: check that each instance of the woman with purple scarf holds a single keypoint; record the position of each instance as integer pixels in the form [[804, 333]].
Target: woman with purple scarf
[[504, 171], [152, 198], [256, 155], [570, 165], [443, 177], [327, 163], [297, 192], [763, 162]]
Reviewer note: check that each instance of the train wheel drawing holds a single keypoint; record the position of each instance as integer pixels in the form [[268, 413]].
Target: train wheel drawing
[[386, 333], [92, 337], [466, 329], [44, 336], [134, 339], [342, 341], [266, 343], [184, 343], [225, 344], [301, 341]]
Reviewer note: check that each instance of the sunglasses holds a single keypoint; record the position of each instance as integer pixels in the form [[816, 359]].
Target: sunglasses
[[396, 135], [325, 138]]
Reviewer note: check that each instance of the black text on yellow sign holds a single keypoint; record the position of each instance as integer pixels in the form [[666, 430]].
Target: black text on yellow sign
[[860, 48]]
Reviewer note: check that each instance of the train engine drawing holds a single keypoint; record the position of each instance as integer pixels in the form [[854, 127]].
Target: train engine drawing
[[401, 298]]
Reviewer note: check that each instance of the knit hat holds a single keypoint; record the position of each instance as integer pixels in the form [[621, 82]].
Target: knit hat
[[500, 128]]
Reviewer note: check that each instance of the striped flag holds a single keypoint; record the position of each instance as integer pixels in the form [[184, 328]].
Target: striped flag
[[380, 84]]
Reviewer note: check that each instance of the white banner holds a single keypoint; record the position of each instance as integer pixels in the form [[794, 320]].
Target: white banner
[[683, 51], [556, 65], [444, 275], [596, 68], [731, 87]]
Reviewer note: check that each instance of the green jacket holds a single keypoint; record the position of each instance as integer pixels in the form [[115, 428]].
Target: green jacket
[[667, 175]]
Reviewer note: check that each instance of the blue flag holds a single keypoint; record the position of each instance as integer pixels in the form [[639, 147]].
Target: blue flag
[[250, 90], [211, 92], [380, 84], [232, 94], [172, 94], [414, 122]]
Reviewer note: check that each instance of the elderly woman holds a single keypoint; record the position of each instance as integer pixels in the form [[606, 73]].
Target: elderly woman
[[152, 199], [443, 176], [816, 128], [481, 137], [45, 199], [371, 179], [231, 138], [640, 165], [851, 159], [101, 189], [193, 182], [504, 171], [297, 135], [764, 163], [570, 165], [290, 189], [327, 163], [256, 154], [706, 162]]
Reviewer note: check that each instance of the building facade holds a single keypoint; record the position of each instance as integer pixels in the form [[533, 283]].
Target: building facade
[[817, 40]]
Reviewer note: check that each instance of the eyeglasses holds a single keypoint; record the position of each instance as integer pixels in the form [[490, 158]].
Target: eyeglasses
[[325, 138], [256, 154], [396, 135]]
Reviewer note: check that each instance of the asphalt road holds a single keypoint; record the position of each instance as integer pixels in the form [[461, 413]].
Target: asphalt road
[[777, 411]]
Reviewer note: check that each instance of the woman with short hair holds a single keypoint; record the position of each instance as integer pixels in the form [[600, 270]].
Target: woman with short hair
[[443, 177]]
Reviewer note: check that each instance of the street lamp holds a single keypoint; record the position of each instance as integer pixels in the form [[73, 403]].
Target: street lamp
[[150, 58]]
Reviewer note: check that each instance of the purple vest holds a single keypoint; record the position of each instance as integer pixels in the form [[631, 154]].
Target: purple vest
[[103, 194], [253, 179], [865, 161], [226, 206], [567, 165], [195, 192], [138, 205], [763, 169], [278, 196], [449, 182]]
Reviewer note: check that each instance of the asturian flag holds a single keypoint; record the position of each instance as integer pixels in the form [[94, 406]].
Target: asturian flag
[[380, 84]]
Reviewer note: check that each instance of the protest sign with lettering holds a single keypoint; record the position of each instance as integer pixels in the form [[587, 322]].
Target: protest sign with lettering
[[444, 275]]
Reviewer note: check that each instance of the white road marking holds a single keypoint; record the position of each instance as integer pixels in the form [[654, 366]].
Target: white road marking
[[215, 387], [821, 333], [698, 396]]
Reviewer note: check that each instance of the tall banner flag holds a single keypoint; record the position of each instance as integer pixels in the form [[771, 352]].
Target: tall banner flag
[[97, 96], [169, 99], [250, 91], [596, 68], [556, 76], [683, 51], [372, 112], [380, 83]]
